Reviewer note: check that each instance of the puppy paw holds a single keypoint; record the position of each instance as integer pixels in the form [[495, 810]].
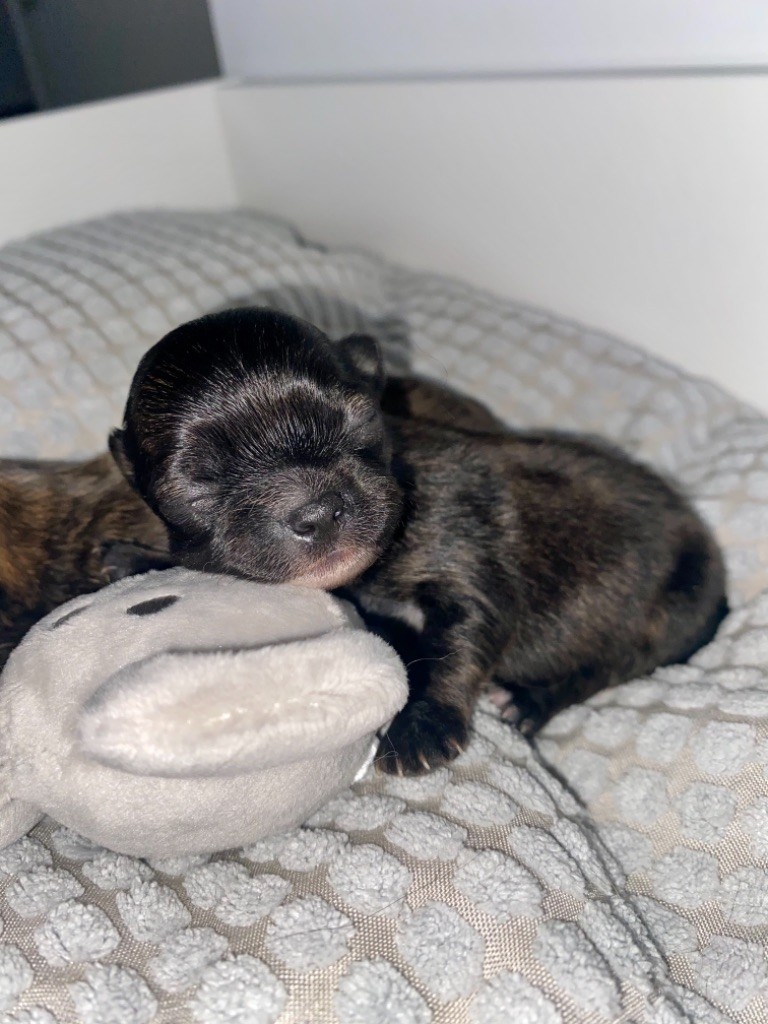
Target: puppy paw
[[527, 714], [504, 702], [423, 736], [124, 558]]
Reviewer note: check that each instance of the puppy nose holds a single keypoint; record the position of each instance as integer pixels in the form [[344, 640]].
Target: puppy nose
[[319, 519]]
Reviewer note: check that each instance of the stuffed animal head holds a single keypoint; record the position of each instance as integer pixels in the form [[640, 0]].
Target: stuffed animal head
[[183, 712]]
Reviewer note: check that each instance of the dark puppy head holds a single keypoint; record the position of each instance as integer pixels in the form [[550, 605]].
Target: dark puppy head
[[261, 445]]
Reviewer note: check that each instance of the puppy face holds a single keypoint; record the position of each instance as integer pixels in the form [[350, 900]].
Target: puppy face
[[261, 445]]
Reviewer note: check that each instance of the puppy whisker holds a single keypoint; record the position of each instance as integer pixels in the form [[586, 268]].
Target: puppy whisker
[[444, 657]]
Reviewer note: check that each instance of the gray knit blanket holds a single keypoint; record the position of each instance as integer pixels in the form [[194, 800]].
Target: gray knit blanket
[[613, 872]]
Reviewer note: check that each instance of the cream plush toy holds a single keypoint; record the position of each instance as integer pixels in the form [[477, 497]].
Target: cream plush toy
[[182, 712]]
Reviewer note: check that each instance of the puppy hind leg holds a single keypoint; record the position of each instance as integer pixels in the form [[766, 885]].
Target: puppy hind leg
[[529, 706], [692, 603], [502, 698]]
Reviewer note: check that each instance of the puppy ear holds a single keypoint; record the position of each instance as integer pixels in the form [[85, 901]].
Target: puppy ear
[[363, 356], [119, 454]]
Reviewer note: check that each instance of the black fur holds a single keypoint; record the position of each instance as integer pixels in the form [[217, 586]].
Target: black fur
[[552, 564]]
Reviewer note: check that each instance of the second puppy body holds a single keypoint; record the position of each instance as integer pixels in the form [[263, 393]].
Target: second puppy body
[[552, 564], [56, 520]]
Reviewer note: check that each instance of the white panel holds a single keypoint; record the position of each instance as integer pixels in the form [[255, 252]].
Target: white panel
[[390, 38], [163, 148], [636, 205]]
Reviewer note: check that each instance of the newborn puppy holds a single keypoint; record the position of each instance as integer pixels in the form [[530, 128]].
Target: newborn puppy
[[550, 564]]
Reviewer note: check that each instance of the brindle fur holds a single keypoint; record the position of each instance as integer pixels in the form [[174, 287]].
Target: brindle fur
[[555, 565], [55, 520]]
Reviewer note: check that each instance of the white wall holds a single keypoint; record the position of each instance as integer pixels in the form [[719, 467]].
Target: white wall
[[282, 39], [639, 205], [163, 148]]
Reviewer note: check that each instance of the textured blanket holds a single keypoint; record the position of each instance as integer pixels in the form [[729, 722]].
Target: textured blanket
[[613, 872]]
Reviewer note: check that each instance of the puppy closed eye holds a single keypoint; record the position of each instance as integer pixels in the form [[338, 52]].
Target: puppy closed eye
[[365, 430], [201, 476], [204, 497], [192, 493], [200, 479], [362, 414], [203, 456], [202, 485]]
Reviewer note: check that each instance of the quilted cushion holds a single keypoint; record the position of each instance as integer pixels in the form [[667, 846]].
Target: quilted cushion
[[616, 871]]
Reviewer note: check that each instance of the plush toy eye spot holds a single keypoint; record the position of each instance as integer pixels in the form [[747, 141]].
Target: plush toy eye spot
[[151, 607], [69, 615]]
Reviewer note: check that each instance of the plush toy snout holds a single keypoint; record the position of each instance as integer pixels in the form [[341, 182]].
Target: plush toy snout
[[181, 712], [205, 713]]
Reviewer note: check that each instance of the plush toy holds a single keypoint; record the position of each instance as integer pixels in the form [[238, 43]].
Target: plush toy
[[182, 712]]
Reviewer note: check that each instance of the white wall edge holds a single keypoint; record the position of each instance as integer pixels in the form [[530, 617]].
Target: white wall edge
[[160, 148], [287, 39]]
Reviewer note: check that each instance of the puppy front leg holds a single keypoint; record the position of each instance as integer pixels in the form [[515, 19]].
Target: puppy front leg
[[119, 559], [445, 677]]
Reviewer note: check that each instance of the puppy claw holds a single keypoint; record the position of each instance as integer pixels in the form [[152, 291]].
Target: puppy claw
[[499, 697], [504, 702], [521, 708], [424, 736]]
